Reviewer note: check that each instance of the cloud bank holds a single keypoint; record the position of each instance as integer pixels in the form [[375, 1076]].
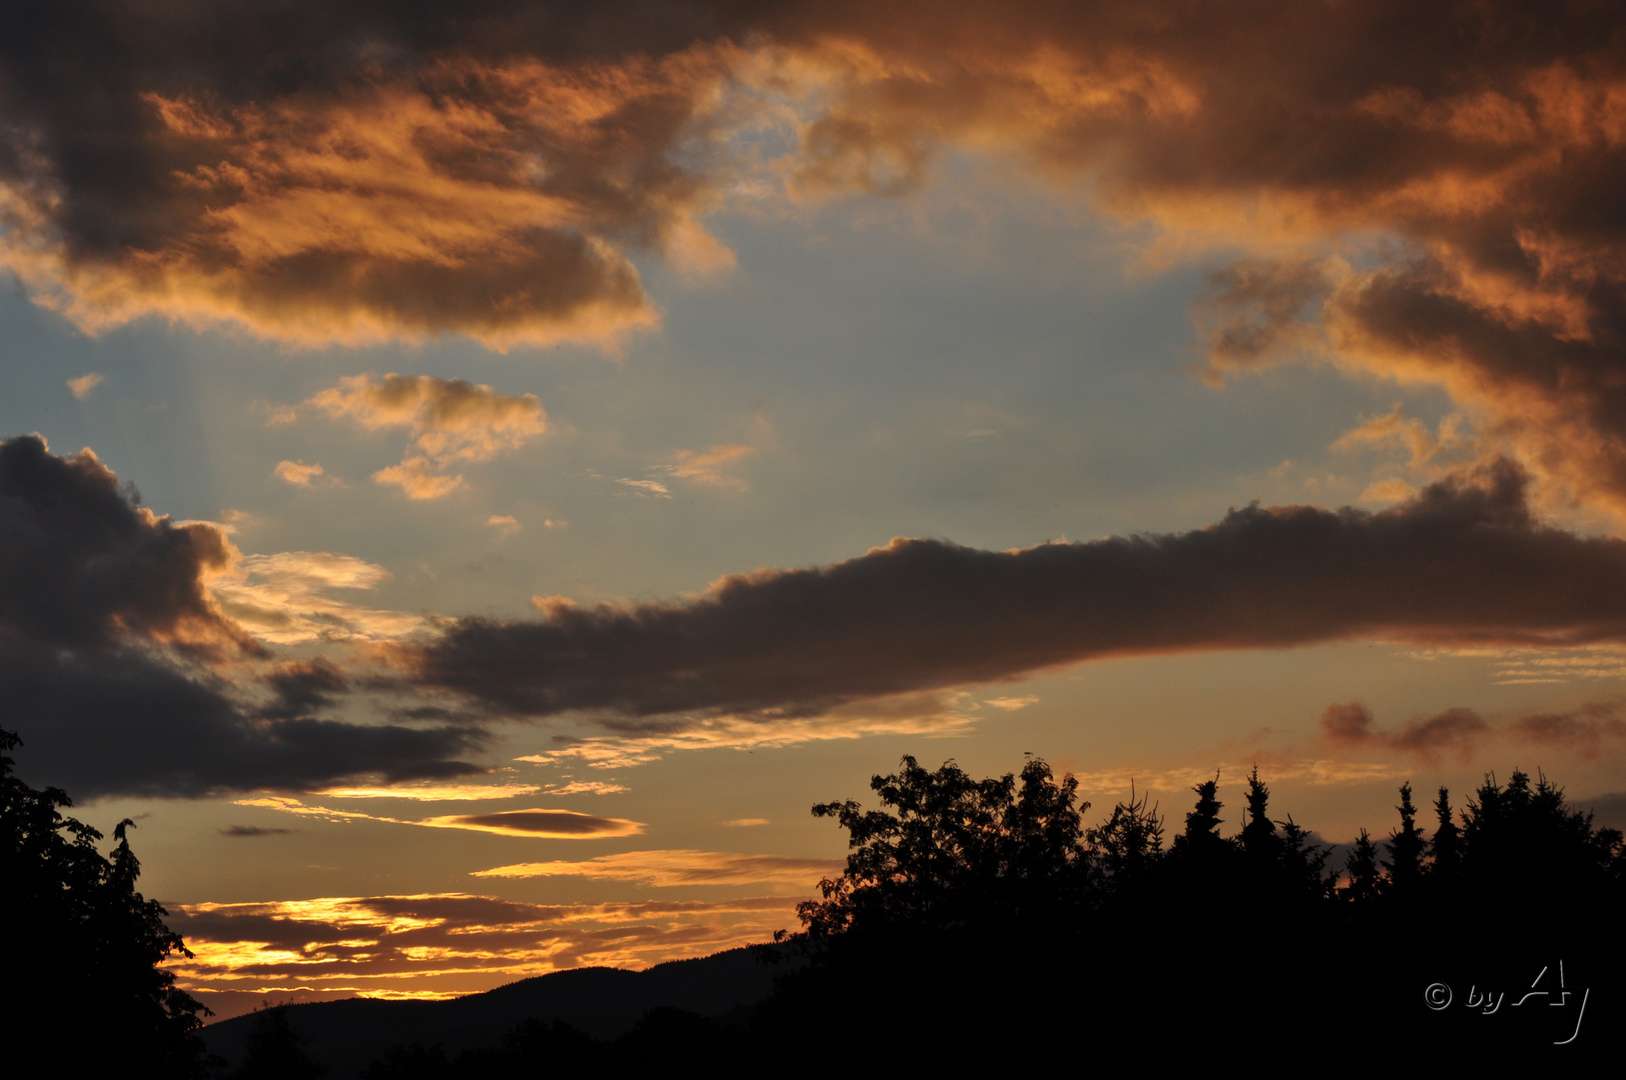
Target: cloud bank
[[1464, 562], [123, 674]]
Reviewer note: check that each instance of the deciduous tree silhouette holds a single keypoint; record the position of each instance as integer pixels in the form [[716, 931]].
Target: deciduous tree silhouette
[[956, 852], [87, 993]]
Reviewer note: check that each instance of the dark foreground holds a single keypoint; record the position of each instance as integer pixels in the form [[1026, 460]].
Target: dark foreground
[[977, 920], [983, 919]]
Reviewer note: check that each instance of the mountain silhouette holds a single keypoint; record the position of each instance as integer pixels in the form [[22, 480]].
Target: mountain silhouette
[[602, 1002]]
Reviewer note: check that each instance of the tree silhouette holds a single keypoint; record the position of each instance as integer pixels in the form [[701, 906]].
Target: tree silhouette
[[1446, 844], [84, 946], [1365, 875], [1202, 835], [1258, 838], [274, 1051], [956, 852], [1130, 842], [1405, 844]]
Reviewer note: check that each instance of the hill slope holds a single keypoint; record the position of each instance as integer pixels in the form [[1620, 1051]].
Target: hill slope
[[604, 1002]]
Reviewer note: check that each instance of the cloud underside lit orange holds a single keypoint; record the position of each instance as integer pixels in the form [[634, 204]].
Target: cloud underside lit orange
[[681, 867], [1425, 192], [442, 945], [540, 824]]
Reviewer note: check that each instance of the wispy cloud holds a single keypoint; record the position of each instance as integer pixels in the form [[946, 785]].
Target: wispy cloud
[[541, 824], [927, 714], [706, 466], [432, 792], [585, 787], [80, 386], [284, 599], [682, 867], [649, 489]]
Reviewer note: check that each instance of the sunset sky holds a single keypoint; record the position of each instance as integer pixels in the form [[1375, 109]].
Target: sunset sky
[[472, 481]]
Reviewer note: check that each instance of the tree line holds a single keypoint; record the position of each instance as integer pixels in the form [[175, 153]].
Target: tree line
[[975, 914], [989, 906]]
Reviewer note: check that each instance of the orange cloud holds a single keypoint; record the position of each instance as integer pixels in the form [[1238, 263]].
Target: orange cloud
[[542, 824], [441, 945], [702, 466], [673, 868], [451, 422], [433, 792], [302, 475], [81, 386], [284, 598], [1439, 212], [551, 824], [492, 197]]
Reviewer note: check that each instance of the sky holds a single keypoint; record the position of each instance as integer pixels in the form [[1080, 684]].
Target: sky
[[473, 479]]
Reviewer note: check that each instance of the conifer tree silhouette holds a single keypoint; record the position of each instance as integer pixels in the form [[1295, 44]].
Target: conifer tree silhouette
[[1364, 873], [1201, 840], [1446, 844], [1405, 844], [1258, 839]]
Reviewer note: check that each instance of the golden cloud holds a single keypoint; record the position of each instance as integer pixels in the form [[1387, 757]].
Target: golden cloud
[[540, 824], [671, 868], [302, 475], [283, 598], [495, 199], [441, 945], [451, 422]]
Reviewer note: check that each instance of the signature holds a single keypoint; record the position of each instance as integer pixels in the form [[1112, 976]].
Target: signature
[[1488, 1002]]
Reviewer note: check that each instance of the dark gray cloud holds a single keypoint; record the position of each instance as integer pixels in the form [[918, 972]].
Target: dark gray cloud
[[84, 565], [122, 676], [245, 831], [1464, 562], [303, 687]]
